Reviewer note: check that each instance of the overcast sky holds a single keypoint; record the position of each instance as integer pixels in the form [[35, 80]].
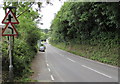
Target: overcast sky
[[1, 12], [48, 12]]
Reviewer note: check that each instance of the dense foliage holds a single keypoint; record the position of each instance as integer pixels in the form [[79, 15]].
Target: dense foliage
[[93, 24], [45, 34], [25, 45]]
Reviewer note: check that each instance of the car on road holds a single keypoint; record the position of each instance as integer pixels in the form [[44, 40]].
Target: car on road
[[42, 48]]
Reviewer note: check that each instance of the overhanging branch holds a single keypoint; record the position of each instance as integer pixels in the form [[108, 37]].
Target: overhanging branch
[[25, 10]]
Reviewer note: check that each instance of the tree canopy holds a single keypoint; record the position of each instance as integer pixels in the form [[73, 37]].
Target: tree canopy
[[84, 22], [25, 44]]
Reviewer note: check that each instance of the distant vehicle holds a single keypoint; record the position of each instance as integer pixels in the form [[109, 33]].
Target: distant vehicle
[[42, 48]]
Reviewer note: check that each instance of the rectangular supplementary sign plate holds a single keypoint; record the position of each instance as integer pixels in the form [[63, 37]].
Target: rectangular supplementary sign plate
[[62, 0]]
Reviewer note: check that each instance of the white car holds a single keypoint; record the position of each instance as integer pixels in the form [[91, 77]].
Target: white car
[[42, 48]]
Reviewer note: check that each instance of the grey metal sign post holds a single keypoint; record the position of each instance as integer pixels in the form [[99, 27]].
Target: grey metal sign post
[[8, 20], [11, 47], [11, 75], [10, 58]]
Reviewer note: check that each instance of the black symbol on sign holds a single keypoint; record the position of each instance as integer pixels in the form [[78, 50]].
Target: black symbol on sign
[[11, 29], [9, 17]]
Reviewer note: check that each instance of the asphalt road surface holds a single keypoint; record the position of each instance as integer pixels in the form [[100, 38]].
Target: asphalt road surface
[[55, 65]]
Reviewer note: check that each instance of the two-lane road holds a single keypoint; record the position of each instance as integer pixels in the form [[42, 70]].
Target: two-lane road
[[56, 65]]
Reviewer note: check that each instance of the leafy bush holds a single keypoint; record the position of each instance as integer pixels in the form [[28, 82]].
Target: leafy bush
[[25, 45], [88, 25], [23, 55], [81, 22]]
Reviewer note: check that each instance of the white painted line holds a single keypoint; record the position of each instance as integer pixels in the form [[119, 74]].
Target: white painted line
[[70, 59], [49, 69], [46, 58], [59, 54], [97, 71], [57, 73], [47, 64], [99, 62], [52, 77]]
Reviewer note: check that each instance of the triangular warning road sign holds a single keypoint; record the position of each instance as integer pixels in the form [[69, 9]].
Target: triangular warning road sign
[[10, 17], [9, 30]]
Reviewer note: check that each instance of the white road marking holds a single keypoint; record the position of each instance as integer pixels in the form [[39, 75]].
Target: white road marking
[[46, 58], [57, 73], [70, 59], [99, 62], [47, 64], [49, 69], [96, 71], [52, 77], [60, 54], [116, 67]]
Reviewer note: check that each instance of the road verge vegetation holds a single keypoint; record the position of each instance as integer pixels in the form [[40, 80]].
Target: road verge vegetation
[[25, 44], [89, 29], [99, 53]]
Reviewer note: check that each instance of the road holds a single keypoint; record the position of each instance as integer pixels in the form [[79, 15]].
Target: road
[[56, 65]]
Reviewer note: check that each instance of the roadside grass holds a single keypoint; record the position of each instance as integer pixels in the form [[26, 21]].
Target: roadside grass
[[104, 54]]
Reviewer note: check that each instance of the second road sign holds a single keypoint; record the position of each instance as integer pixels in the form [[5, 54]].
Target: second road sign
[[9, 30]]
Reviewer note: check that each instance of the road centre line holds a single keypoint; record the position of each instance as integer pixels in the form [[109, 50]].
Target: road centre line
[[47, 64], [59, 54], [99, 62], [52, 78], [96, 71], [52, 67], [70, 59], [49, 69]]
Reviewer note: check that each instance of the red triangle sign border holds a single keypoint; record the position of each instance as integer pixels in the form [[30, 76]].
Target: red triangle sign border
[[9, 34], [17, 22]]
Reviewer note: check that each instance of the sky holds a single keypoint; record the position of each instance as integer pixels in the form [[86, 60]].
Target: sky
[[48, 11], [2, 14]]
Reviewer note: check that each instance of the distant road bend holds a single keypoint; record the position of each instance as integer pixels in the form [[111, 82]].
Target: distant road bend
[[56, 65]]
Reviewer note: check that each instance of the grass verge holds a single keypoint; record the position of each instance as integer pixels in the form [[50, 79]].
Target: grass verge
[[104, 54]]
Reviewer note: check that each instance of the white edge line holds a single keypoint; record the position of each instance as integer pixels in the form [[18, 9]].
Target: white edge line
[[52, 77], [97, 71]]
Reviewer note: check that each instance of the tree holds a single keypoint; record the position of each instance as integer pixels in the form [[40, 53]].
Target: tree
[[83, 22], [25, 45]]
